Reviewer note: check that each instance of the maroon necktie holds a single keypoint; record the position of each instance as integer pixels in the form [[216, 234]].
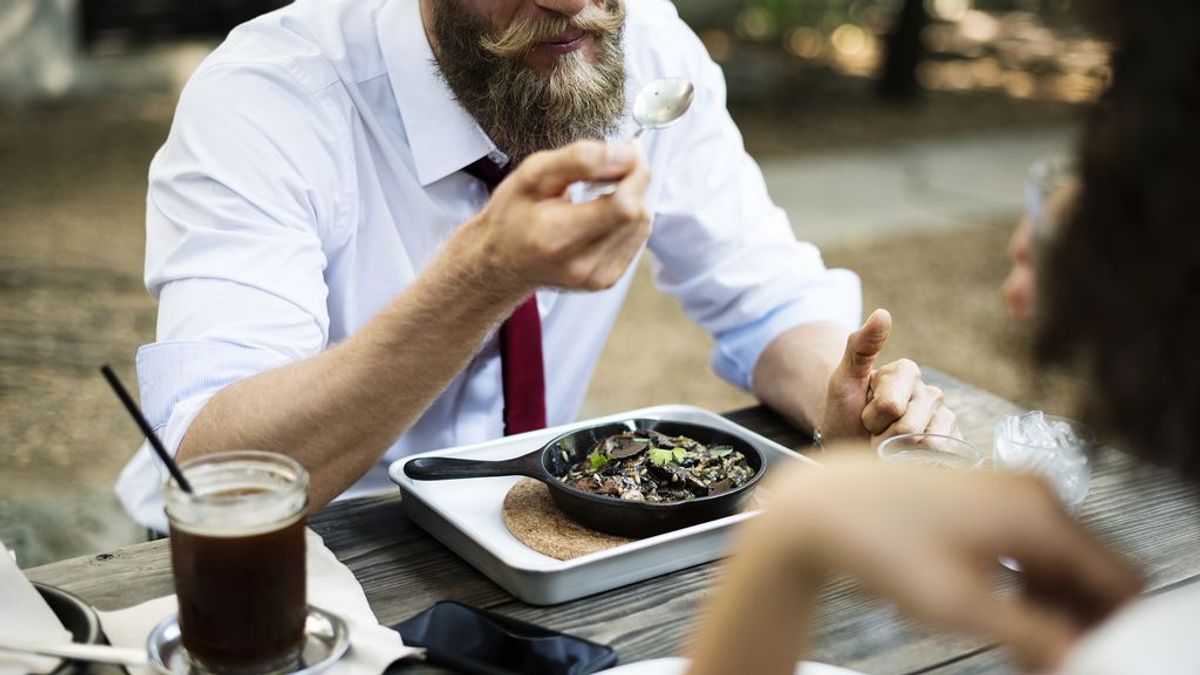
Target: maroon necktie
[[520, 343]]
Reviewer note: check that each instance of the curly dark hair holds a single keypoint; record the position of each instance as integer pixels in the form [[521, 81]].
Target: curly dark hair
[[1120, 285]]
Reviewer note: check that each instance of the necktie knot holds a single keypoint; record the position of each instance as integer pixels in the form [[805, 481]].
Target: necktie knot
[[487, 171]]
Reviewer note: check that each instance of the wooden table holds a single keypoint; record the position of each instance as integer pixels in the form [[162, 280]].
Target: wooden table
[[1147, 513]]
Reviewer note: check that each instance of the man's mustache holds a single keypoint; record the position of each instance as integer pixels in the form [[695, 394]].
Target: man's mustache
[[523, 35]]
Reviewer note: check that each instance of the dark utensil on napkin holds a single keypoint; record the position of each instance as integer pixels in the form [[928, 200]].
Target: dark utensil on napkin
[[475, 641], [606, 514]]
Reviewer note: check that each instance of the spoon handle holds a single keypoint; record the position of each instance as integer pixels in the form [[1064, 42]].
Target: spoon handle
[[607, 187], [79, 652]]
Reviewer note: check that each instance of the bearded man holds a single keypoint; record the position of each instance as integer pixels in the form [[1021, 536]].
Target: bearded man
[[364, 242]]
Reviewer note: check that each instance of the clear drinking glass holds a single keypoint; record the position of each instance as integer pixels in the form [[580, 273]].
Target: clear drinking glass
[[936, 450], [237, 551], [1063, 460]]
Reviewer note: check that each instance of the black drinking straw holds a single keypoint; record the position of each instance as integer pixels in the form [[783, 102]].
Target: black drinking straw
[[138, 417]]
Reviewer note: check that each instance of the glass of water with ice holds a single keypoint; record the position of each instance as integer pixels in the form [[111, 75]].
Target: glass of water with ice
[[1054, 448], [936, 450]]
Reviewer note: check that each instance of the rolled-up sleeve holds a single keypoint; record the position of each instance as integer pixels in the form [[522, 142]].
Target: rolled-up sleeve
[[725, 250], [242, 208]]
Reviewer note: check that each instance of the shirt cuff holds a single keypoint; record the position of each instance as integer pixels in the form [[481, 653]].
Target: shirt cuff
[[170, 372], [177, 379], [738, 349]]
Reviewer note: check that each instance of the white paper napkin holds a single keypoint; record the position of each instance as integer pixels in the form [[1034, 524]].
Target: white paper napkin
[[677, 665], [331, 586], [26, 617]]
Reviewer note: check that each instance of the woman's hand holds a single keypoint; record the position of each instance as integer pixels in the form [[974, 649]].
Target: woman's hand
[[925, 539]]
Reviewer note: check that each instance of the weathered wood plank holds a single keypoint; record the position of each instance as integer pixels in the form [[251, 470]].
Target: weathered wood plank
[[1145, 512], [402, 569], [113, 580]]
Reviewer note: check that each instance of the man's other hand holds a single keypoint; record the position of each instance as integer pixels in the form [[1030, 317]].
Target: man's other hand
[[530, 234], [864, 401]]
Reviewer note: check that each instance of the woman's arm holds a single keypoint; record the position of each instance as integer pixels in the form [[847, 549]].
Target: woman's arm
[[927, 540]]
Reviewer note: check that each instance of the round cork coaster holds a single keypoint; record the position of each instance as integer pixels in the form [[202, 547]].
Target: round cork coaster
[[532, 517]]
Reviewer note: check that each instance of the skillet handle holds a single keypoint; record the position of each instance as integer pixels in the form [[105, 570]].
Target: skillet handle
[[450, 468]]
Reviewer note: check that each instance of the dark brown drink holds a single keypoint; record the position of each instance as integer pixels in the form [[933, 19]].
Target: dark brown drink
[[241, 599], [238, 553]]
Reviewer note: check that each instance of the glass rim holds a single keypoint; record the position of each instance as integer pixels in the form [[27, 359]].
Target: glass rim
[[978, 458], [1082, 431], [292, 486]]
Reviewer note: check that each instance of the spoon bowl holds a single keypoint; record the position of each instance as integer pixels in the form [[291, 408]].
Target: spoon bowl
[[658, 104], [662, 103]]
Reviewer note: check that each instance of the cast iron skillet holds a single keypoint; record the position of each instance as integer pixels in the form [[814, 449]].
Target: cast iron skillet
[[606, 514]]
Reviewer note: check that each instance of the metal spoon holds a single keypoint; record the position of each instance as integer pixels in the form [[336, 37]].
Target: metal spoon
[[658, 105], [661, 103], [80, 652]]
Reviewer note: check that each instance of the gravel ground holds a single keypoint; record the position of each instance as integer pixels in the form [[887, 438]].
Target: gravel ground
[[72, 189]]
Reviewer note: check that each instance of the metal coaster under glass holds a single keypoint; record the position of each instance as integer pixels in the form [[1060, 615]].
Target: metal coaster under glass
[[326, 640]]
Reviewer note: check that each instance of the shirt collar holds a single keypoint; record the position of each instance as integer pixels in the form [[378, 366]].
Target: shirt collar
[[443, 136]]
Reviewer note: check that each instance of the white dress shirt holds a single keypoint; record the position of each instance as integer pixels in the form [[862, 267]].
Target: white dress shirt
[[314, 167]]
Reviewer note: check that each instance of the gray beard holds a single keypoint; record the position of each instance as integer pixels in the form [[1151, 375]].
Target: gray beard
[[521, 110]]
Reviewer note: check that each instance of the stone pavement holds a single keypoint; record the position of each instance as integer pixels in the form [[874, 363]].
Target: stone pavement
[[848, 198]]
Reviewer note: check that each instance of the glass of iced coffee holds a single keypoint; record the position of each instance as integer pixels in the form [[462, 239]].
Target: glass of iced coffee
[[237, 551]]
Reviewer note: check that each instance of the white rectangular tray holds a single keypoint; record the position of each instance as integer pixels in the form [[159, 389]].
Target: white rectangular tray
[[465, 515]]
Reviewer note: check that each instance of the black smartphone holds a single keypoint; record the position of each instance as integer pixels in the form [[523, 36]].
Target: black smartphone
[[472, 640]]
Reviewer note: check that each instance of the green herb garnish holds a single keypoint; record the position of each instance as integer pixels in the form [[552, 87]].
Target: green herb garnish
[[598, 460], [661, 456]]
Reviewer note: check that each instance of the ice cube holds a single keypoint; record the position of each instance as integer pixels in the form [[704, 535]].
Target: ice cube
[[1012, 428], [1064, 435], [1036, 431], [1030, 443], [1070, 477]]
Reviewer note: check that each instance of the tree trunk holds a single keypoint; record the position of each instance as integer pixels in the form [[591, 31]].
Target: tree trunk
[[904, 49]]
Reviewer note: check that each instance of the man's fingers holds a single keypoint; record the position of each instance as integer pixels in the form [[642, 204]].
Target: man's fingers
[[944, 422], [864, 345], [549, 173], [894, 386], [918, 414], [611, 256], [591, 223]]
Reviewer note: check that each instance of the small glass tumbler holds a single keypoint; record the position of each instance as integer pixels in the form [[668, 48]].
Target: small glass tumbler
[[934, 450], [1064, 465], [238, 554]]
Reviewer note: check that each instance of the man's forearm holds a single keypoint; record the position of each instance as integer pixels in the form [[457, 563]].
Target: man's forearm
[[792, 374], [337, 412]]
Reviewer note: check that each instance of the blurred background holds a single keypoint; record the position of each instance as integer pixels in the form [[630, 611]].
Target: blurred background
[[896, 133]]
